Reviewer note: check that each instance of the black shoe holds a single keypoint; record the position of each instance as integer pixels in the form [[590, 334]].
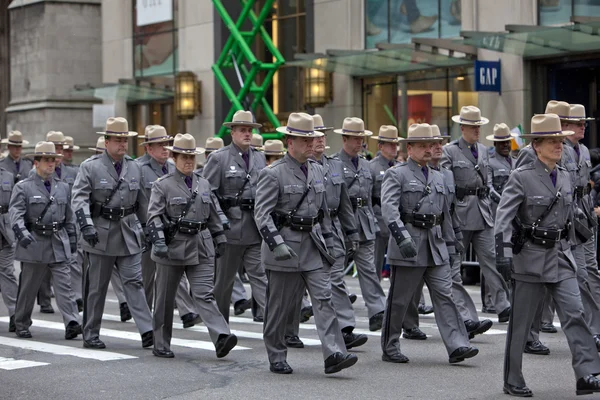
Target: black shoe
[[147, 339], [588, 385], [163, 353], [375, 322], [190, 319], [414, 334], [294, 342], [79, 305], [461, 353], [94, 343], [338, 361], [504, 315], [258, 319], [353, 340], [241, 306], [281, 368], [11, 324], [424, 309], [352, 298], [597, 341], [73, 329], [24, 334], [536, 347], [306, 313], [523, 391], [225, 344], [125, 313], [47, 309], [548, 327], [477, 328], [396, 358], [488, 310]]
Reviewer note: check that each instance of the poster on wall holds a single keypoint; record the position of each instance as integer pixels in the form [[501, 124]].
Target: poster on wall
[[419, 109], [153, 11]]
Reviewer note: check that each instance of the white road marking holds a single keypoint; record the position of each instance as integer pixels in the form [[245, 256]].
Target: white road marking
[[10, 363]]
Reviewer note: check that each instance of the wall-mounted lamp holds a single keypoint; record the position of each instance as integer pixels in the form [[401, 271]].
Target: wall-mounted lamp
[[317, 86], [187, 96]]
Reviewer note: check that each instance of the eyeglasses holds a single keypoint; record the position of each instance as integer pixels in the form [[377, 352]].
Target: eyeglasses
[[579, 124]]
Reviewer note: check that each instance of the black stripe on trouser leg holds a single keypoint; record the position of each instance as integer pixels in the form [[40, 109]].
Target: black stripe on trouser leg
[[265, 312], [388, 309], [86, 288], [509, 334], [18, 287]]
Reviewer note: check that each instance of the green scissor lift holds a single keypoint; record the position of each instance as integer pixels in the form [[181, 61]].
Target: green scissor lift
[[237, 54]]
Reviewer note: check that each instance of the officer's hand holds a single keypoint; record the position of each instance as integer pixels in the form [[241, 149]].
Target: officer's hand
[[26, 240], [459, 246], [355, 246], [90, 235], [226, 225], [73, 243], [220, 249], [284, 252], [408, 248], [504, 267], [160, 248]]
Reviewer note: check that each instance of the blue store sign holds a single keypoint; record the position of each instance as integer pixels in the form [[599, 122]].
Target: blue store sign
[[488, 77]]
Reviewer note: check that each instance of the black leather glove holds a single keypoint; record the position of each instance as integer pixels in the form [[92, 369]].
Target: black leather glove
[[459, 246], [504, 267], [220, 249], [408, 248], [160, 248], [284, 252], [73, 243], [26, 240], [90, 235]]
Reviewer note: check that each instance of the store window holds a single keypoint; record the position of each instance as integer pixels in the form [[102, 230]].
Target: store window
[[397, 21], [560, 12], [155, 37]]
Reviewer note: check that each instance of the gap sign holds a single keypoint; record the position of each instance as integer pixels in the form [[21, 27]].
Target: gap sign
[[488, 76]]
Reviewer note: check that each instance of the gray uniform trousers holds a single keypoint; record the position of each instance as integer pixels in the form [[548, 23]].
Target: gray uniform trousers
[[461, 297], [284, 286], [201, 278], [227, 268], [371, 290], [570, 312], [8, 282], [483, 244], [32, 275], [97, 278], [404, 283], [117, 285], [590, 305], [238, 292], [44, 296]]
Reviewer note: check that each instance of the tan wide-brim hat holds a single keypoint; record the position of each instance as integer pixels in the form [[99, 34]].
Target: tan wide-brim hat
[[44, 149], [470, 115], [242, 118], [70, 144], [560, 108], [185, 144], [502, 133], [420, 133], [320, 125], [577, 112], [256, 141], [214, 143], [300, 124], [100, 145], [15, 138], [55, 137], [546, 126], [435, 130], [353, 126], [274, 148], [118, 127], [387, 133], [156, 134]]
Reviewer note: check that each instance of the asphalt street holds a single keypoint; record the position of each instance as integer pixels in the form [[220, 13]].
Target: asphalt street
[[49, 367]]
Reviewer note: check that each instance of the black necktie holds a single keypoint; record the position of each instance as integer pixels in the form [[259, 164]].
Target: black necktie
[[48, 186], [509, 161], [18, 165], [58, 171], [165, 169], [118, 168], [246, 158], [576, 147], [425, 172], [304, 169], [473, 148], [553, 177], [355, 162], [188, 182], [391, 163]]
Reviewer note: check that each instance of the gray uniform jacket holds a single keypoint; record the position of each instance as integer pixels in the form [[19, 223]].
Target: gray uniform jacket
[[403, 187], [151, 171], [6, 182], [280, 188], [527, 194], [579, 169], [360, 188], [25, 165], [28, 200], [343, 224], [226, 171], [170, 196], [500, 169], [378, 166], [96, 180], [451, 196], [474, 212]]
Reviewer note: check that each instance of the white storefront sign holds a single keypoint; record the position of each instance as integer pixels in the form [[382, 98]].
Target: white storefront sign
[[153, 11]]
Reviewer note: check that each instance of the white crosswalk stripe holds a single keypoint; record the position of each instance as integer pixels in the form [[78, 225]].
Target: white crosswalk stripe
[[9, 364]]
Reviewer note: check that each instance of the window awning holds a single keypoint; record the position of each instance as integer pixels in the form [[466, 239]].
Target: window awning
[[393, 59], [130, 91]]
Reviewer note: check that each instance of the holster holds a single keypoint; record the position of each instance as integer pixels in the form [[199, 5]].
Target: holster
[[583, 232]]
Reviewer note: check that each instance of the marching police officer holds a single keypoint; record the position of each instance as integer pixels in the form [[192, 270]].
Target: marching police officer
[[468, 160], [533, 240], [290, 205], [182, 216], [110, 207], [417, 213], [8, 281], [501, 163], [42, 220], [68, 148], [356, 173], [232, 172], [14, 163]]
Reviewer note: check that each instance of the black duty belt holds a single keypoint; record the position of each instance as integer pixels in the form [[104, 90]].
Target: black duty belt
[[376, 201], [296, 222], [116, 213], [424, 221], [482, 191], [334, 212], [45, 229], [358, 202], [189, 227], [546, 237], [247, 204], [244, 204], [3, 209]]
